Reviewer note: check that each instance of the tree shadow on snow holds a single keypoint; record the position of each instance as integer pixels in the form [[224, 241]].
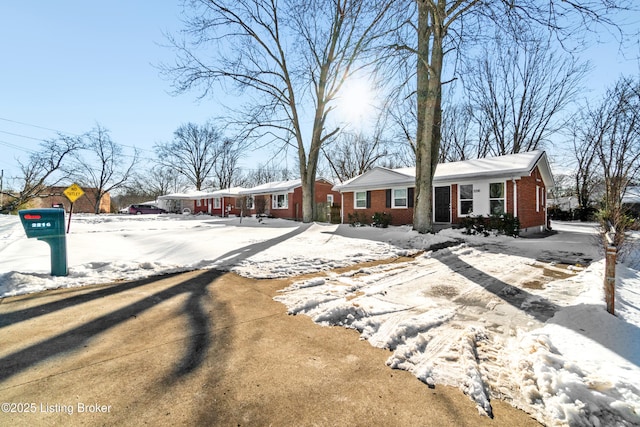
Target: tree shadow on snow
[[198, 309], [618, 341]]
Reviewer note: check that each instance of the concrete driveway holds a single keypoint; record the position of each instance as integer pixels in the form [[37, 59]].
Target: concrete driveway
[[203, 348]]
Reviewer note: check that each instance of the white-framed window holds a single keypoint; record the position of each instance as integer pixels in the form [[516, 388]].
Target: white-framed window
[[496, 198], [360, 199], [199, 202], [537, 198], [330, 199], [280, 201], [216, 203], [250, 202], [399, 198], [465, 196]]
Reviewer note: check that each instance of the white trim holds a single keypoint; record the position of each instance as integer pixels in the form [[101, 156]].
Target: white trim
[[355, 200], [459, 201], [515, 198], [274, 201], [537, 198], [503, 198], [406, 198]]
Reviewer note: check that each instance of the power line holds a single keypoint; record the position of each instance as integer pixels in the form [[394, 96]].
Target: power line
[[36, 126], [22, 136]]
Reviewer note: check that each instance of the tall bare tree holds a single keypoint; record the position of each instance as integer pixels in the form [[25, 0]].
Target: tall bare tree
[[443, 26], [521, 92], [192, 153], [587, 174], [226, 166], [614, 134], [44, 169], [102, 164], [290, 58]]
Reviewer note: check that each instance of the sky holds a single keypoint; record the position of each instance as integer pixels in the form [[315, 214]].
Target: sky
[[72, 64], [518, 319]]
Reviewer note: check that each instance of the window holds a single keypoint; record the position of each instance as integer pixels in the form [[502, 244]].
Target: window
[[399, 198], [216, 203], [330, 199], [249, 202], [280, 201], [360, 199], [199, 202], [496, 198], [466, 199]]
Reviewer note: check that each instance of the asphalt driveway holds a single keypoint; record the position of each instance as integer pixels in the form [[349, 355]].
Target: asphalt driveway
[[203, 348]]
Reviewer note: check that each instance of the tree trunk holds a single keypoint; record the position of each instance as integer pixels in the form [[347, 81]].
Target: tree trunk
[[429, 72]]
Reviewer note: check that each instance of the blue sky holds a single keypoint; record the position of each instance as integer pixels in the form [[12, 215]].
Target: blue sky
[[70, 64]]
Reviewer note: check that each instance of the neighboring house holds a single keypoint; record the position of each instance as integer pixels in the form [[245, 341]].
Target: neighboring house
[[513, 184], [219, 202], [84, 204], [283, 199]]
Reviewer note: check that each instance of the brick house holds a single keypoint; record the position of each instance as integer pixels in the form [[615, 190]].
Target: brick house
[[224, 202], [515, 183], [283, 199], [84, 204]]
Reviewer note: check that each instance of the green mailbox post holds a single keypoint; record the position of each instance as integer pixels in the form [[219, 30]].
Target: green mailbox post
[[48, 225]]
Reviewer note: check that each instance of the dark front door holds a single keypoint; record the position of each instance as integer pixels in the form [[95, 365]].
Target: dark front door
[[442, 208]]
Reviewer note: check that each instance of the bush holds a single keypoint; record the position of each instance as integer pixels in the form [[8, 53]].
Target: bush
[[502, 224], [357, 219], [381, 219]]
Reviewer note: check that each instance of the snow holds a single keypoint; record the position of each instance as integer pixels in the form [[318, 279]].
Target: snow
[[517, 319]]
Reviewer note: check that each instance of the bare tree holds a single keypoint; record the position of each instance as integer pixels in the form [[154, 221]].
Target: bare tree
[[265, 173], [102, 165], [291, 58], [193, 153], [43, 170], [438, 28], [587, 174], [614, 134], [352, 154], [521, 92], [226, 166]]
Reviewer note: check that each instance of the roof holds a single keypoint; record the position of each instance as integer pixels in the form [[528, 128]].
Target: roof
[[508, 166], [631, 195], [191, 195], [274, 187], [197, 195], [278, 187]]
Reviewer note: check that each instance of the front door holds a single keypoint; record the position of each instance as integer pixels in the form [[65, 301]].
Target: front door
[[442, 208]]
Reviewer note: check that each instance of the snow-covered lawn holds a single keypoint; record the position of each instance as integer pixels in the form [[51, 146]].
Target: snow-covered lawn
[[522, 320]]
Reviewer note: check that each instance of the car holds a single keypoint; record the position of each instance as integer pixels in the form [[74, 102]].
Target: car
[[145, 209]]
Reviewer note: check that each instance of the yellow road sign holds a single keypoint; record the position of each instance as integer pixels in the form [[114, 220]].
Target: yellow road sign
[[73, 192]]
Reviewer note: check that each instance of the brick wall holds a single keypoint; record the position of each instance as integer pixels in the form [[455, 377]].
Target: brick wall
[[531, 208], [84, 204], [378, 198], [531, 211]]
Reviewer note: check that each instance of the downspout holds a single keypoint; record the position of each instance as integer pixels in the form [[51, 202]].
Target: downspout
[[515, 197], [341, 207]]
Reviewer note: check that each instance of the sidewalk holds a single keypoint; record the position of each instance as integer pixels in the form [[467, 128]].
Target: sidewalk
[[204, 348]]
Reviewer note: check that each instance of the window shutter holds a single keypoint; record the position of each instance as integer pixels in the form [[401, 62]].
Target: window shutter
[[387, 201], [368, 199], [410, 197]]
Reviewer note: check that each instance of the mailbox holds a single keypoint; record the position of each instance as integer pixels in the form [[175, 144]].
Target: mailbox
[[48, 225]]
